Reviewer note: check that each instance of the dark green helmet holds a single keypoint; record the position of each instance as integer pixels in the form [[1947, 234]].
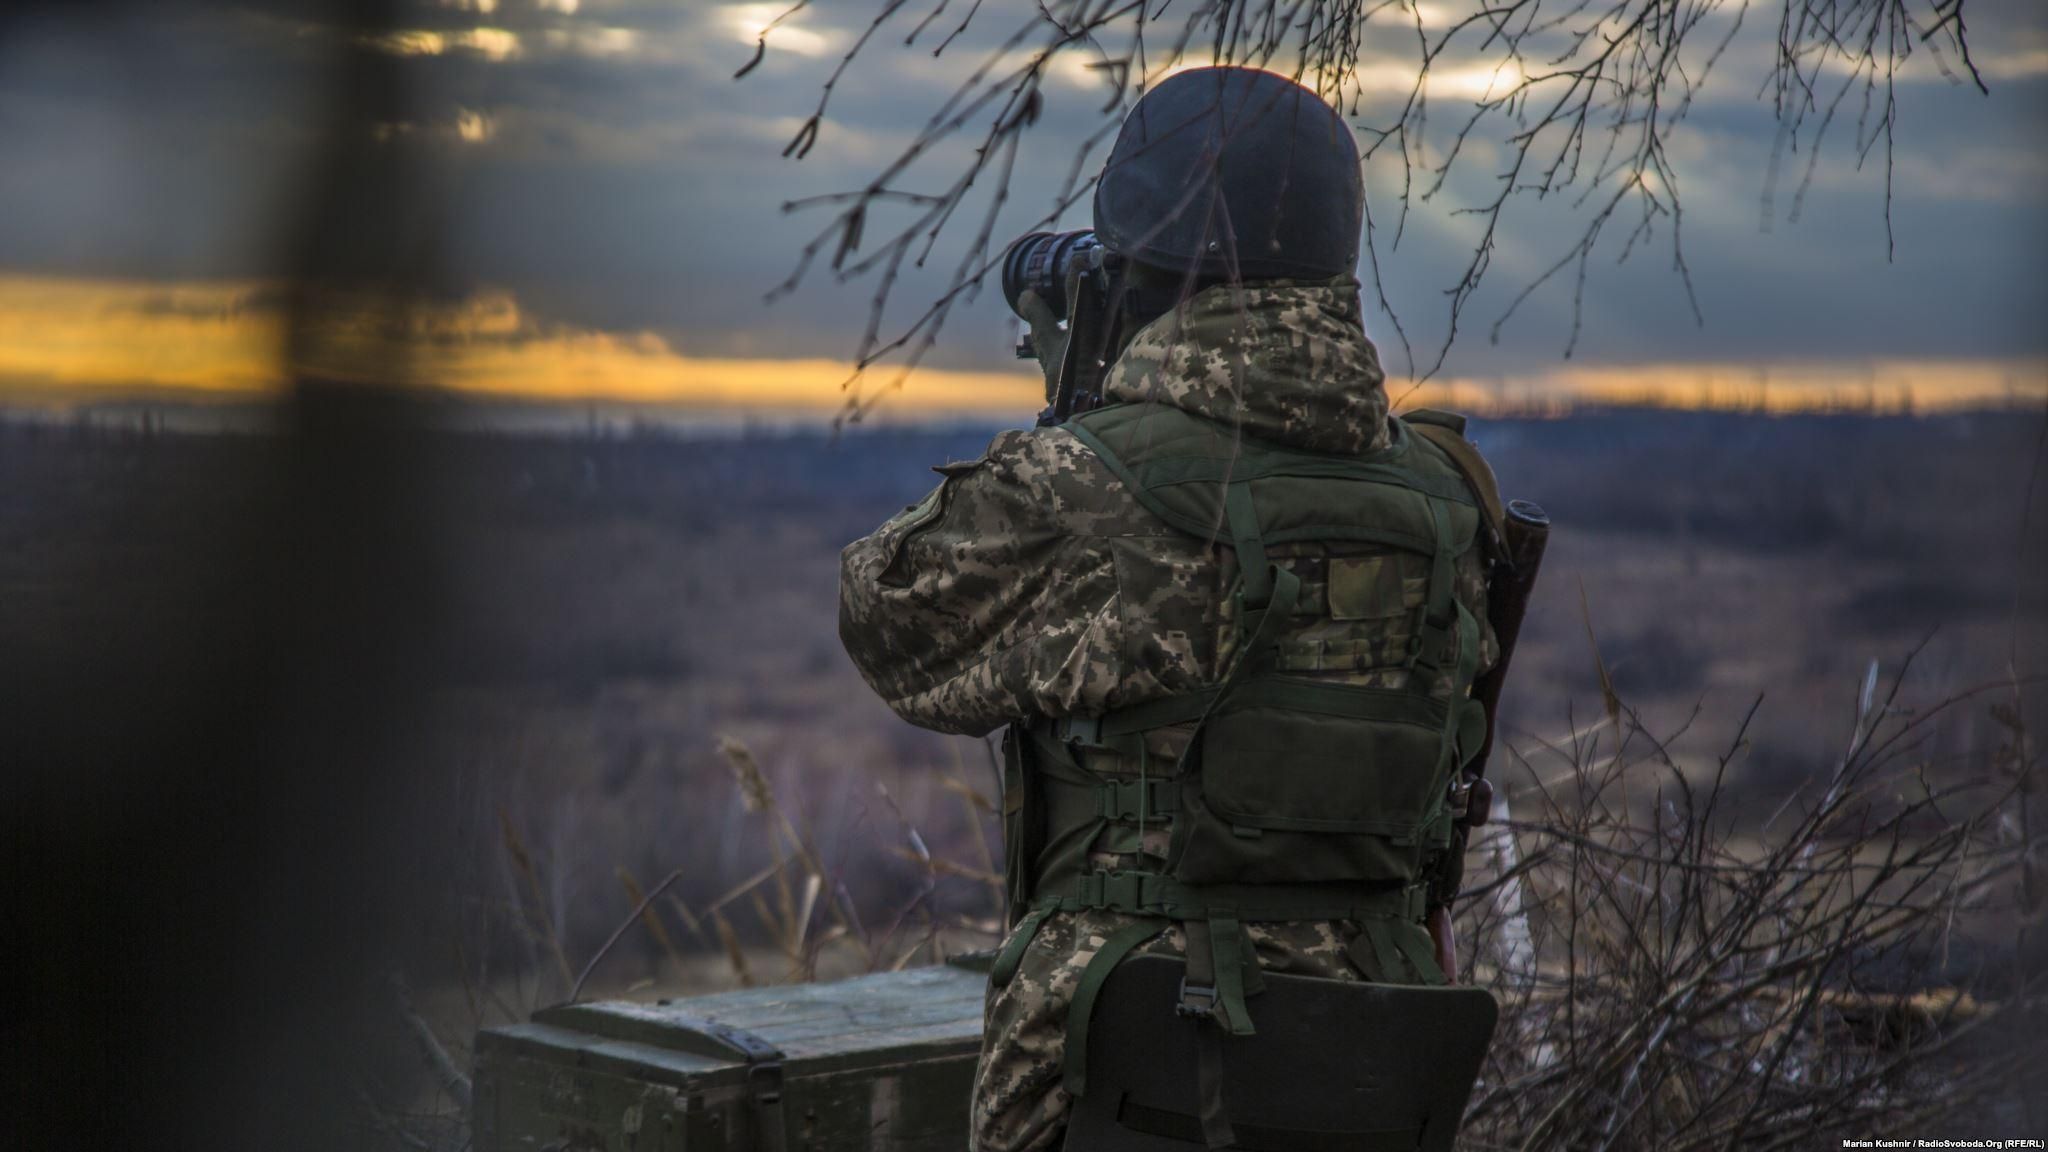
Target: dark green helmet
[[1234, 173]]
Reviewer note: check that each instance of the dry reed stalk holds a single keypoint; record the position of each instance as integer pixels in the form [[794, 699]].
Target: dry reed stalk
[[813, 885], [785, 925], [754, 790], [734, 957], [768, 919], [758, 796], [690, 921], [523, 861], [945, 867]]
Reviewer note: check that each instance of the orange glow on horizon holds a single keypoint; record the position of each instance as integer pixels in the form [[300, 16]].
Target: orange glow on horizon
[[77, 339], [68, 340]]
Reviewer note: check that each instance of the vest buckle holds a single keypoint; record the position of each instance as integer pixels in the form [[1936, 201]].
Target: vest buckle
[[1083, 730], [1142, 799], [1196, 1000]]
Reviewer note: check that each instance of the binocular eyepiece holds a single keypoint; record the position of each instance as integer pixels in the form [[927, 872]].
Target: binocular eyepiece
[[1043, 262]]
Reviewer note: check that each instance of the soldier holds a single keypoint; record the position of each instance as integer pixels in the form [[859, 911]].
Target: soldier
[[1230, 617]]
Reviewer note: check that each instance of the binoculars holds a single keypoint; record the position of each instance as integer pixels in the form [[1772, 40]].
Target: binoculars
[[1044, 263]]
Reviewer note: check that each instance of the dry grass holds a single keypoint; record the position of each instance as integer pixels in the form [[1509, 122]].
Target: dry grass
[[1670, 979], [801, 907], [1671, 976]]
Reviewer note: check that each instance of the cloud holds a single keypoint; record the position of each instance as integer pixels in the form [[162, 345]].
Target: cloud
[[2024, 64], [494, 44], [603, 167], [751, 23]]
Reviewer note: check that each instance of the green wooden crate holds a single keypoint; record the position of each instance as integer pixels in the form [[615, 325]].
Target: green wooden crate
[[878, 1062]]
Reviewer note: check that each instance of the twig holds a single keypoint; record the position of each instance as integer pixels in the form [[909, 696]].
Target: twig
[[639, 909]]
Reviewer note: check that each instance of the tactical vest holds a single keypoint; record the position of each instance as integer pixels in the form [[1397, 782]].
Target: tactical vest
[[1299, 797]]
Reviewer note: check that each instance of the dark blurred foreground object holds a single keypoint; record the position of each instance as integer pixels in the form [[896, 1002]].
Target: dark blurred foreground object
[[1525, 532], [881, 1061], [217, 815]]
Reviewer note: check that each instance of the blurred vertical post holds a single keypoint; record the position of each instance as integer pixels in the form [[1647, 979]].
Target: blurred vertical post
[[220, 825]]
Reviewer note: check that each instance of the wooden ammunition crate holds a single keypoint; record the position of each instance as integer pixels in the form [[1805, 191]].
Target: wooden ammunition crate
[[878, 1062]]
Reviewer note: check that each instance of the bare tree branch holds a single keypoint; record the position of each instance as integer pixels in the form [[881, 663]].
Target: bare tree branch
[[1579, 104]]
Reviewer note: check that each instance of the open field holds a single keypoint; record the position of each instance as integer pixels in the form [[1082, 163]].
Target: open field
[[615, 605], [612, 606], [586, 618]]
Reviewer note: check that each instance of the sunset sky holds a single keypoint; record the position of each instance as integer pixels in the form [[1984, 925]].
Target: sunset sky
[[610, 205]]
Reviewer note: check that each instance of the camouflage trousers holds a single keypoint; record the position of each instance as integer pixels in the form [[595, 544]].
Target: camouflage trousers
[[1019, 1103]]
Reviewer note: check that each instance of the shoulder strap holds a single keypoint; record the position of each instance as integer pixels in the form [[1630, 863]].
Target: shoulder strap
[[1477, 472], [1455, 421]]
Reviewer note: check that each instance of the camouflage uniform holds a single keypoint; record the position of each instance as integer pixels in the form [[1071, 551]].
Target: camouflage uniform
[[1030, 584]]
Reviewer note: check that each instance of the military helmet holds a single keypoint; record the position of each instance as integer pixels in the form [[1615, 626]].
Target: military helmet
[[1233, 173]]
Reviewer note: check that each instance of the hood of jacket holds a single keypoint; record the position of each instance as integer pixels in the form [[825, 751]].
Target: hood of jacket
[[1285, 361]]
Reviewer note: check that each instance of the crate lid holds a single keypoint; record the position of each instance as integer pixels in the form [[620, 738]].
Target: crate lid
[[887, 1017]]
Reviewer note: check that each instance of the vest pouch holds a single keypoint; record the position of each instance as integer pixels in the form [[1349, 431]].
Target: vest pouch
[[1293, 795]]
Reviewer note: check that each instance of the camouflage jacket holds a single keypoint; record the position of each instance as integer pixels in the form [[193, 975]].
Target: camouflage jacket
[[1030, 584]]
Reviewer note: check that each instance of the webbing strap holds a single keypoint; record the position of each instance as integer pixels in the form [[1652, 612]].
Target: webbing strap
[[1415, 944], [1141, 799], [1198, 999], [1090, 731], [1113, 729], [1125, 801], [1201, 968], [1130, 892], [1216, 1129], [1222, 969], [1162, 471], [1158, 713], [1251, 548], [1477, 473], [1394, 951], [1439, 615], [1467, 667], [1461, 706], [1207, 940], [1153, 894], [1227, 947], [1344, 700], [1012, 955], [1264, 631], [1093, 976]]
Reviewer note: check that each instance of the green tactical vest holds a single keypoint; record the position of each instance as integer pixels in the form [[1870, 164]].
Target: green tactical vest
[[1298, 798]]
